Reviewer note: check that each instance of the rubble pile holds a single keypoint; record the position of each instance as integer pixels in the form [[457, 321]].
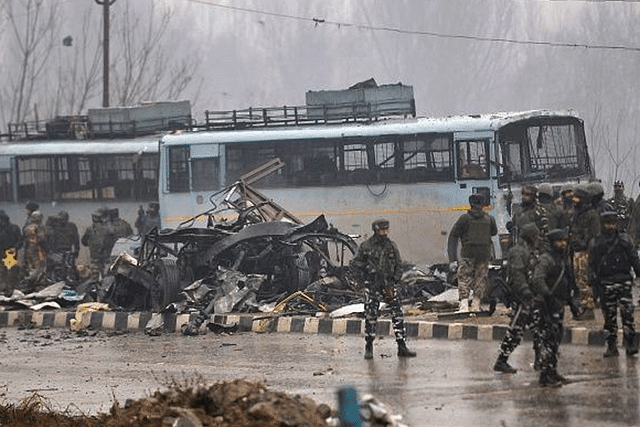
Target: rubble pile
[[237, 403]]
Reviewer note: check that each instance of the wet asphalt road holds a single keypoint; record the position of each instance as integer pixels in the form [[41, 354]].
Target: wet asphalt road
[[450, 383]]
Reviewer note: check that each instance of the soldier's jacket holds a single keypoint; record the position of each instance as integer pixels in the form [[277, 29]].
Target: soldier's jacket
[[377, 260], [549, 281], [63, 237], [475, 229], [100, 238], [10, 237], [584, 227], [611, 258], [520, 263]]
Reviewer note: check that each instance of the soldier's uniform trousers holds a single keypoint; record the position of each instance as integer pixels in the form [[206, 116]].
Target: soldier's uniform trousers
[[472, 276], [513, 336], [618, 295], [549, 320], [372, 300]]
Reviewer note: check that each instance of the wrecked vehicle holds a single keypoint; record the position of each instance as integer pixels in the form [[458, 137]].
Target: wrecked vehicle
[[244, 232]]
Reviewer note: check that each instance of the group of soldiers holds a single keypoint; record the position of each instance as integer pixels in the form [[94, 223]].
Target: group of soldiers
[[571, 249], [42, 252]]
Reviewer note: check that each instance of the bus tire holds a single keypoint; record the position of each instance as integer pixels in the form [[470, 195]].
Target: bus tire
[[167, 283]]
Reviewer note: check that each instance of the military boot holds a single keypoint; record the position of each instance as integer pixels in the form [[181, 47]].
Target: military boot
[[631, 343], [368, 350], [403, 351], [547, 379], [502, 365], [612, 349]]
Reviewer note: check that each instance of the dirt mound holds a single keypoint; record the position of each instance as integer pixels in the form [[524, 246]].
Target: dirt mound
[[237, 403]]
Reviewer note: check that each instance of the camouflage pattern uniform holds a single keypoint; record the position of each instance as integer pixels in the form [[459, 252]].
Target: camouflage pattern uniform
[[622, 205], [99, 238], [378, 266], [612, 255], [521, 260], [585, 226], [34, 247], [474, 229], [551, 290], [63, 240]]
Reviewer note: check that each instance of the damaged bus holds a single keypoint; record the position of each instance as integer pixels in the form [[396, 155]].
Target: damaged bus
[[417, 172]]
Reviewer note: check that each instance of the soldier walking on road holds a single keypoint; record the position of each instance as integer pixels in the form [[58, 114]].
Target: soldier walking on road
[[148, 220], [612, 255], [520, 262], [474, 229], [63, 242], [378, 266], [99, 238], [551, 293]]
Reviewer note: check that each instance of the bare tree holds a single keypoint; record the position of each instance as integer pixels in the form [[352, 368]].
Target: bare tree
[[79, 69], [143, 69], [33, 25]]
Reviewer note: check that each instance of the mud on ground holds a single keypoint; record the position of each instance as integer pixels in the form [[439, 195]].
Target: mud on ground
[[237, 403]]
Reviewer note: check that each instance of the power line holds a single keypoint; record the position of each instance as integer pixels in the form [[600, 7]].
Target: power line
[[321, 21]]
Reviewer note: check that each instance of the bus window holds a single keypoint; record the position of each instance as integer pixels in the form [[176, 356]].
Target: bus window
[[473, 160], [356, 163], [536, 150], [178, 169], [428, 158], [206, 173]]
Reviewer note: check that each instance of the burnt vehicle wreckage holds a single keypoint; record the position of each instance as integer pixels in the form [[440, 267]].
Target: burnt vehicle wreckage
[[250, 254]]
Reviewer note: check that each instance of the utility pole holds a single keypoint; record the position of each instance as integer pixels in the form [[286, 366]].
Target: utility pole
[[105, 50]]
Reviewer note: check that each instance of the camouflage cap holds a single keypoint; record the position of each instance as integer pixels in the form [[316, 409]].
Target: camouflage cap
[[529, 230]]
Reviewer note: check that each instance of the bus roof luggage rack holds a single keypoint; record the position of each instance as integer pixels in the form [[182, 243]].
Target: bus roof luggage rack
[[364, 101]]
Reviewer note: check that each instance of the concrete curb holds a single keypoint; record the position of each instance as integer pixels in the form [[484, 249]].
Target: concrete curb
[[127, 321]]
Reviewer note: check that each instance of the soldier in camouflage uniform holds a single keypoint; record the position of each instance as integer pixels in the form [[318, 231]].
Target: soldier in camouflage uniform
[[121, 228], [148, 220], [35, 253], [520, 262], [585, 225], [99, 238], [551, 294], [378, 266], [474, 229], [612, 255], [622, 204], [529, 211], [63, 242]]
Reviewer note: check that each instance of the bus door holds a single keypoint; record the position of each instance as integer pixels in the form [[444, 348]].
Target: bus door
[[475, 164]]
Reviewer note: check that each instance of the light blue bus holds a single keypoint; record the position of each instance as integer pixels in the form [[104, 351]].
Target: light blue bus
[[416, 172]]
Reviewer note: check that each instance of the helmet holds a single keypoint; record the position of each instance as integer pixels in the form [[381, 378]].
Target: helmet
[[545, 189], [64, 216], [154, 206], [380, 224], [557, 234], [528, 231], [476, 199], [595, 188], [113, 213], [32, 206], [618, 184]]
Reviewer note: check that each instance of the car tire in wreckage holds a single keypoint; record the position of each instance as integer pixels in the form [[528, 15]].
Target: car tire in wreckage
[[166, 283]]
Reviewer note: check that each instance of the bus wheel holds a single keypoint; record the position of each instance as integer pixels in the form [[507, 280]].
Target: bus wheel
[[167, 283]]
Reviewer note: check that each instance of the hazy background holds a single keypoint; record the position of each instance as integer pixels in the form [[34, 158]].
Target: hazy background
[[460, 56]]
